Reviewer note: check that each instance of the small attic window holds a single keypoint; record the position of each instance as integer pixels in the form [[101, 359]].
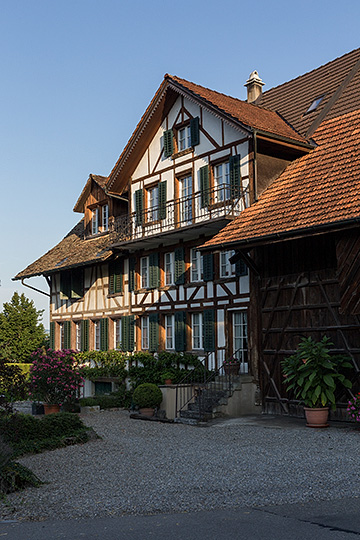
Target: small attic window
[[314, 105]]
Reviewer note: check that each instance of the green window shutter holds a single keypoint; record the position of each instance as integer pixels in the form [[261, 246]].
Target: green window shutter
[[240, 268], [180, 331], [52, 335], [85, 335], [65, 285], [204, 187], [208, 265], [104, 334], [67, 335], [116, 270], [168, 143], [77, 283], [235, 176], [153, 332], [139, 207], [179, 266], [132, 264], [162, 200], [128, 333], [209, 330], [154, 271], [194, 131]]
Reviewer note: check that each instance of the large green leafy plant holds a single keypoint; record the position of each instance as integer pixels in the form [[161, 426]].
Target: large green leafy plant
[[313, 374]]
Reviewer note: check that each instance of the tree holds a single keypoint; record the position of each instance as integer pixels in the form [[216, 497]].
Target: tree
[[20, 328]]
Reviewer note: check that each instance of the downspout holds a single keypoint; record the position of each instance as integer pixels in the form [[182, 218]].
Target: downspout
[[33, 288]]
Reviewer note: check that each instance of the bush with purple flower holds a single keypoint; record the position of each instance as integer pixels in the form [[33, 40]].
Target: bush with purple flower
[[55, 376]]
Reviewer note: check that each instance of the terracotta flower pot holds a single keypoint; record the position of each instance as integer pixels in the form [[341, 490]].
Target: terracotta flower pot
[[51, 408], [147, 411], [317, 417]]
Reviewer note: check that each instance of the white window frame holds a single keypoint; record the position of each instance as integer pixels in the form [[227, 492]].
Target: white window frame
[[153, 203], [97, 336], [117, 333], [169, 268], [105, 217], [226, 268], [169, 332], [144, 332], [184, 138], [197, 333], [95, 221], [144, 272], [197, 265], [240, 339], [221, 173]]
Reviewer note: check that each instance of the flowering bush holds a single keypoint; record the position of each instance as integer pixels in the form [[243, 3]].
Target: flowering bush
[[55, 376], [354, 408]]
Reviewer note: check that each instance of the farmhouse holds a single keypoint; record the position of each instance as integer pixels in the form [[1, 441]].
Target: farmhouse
[[226, 228]]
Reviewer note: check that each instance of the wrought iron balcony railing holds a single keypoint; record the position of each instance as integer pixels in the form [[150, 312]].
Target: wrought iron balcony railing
[[197, 209]]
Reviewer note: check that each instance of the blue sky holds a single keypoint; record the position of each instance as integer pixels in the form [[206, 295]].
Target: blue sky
[[76, 76]]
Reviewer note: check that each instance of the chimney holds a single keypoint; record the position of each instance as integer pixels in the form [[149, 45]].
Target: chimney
[[254, 87]]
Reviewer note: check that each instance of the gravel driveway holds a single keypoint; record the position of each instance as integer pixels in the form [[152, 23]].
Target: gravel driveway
[[148, 467]]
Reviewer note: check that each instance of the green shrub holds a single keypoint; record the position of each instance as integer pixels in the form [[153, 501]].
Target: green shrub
[[27, 434], [147, 395]]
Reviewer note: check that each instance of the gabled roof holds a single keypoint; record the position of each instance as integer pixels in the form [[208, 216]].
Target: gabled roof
[[100, 180], [73, 251], [337, 81], [315, 192], [244, 114]]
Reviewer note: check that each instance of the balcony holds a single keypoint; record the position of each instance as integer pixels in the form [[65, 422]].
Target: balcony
[[180, 219]]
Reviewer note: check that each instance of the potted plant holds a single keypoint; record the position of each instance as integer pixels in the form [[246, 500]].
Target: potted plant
[[55, 378], [232, 366], [313, 375], [147, 397]]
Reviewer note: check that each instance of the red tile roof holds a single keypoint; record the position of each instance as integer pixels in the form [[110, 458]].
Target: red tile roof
[[318, 190]]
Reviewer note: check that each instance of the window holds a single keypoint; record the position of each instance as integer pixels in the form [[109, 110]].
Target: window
[[105, 217], [186, 198], [97, 335], [240, 339], [197, 330], [153, 204], [222, 191], [144, 332], [117, 334], [169, 268], [144, 272], [197, 263], [226, 269], [184, 138], [169, 332]]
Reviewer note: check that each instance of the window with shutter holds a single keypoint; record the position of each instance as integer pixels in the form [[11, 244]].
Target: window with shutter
[[153, 332], [209, 330], [67, 335], [180, 331], [85, 335], [179, 266], [139, 207], [116, 269], [154, 271], [132, 264], [52, 335], [162, 200], [235, 176], [204, 187], [168, 143], [104, 334], [208, 266], [195, 131]]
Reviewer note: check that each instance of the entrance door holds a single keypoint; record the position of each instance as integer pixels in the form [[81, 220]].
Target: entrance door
[[240, 343]]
